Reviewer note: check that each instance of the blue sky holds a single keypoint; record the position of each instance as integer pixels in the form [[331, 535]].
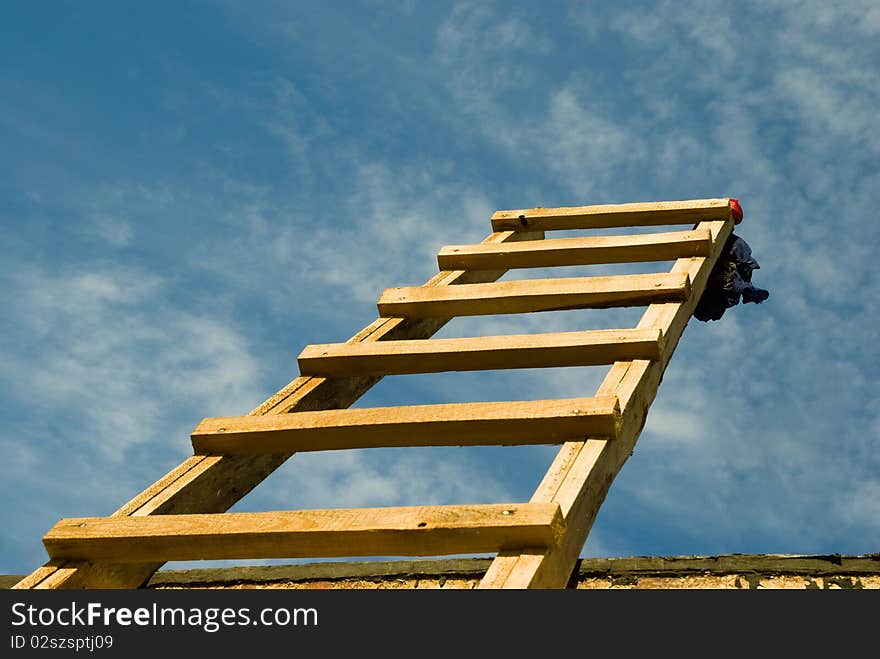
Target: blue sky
[[191, 192]]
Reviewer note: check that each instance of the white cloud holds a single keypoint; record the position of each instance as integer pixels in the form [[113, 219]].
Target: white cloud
[[385, 233], [764, 429], [105, 377], [382, 477], [676, 426], [108, 349], [828, 106], [115, 231]]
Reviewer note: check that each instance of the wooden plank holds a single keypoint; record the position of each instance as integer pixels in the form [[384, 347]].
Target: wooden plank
[[577, 251], [575, 462], [215, 483], [448, 424], [530, 295], [612, 215], [583, 471], [552, 349], [403, 531]]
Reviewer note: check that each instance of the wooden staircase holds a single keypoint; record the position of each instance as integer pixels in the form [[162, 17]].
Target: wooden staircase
[[536, 543]]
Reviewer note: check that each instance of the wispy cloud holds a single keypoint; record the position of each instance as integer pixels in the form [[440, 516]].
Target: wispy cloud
[[382, 477], [102, 387], [266, 202]]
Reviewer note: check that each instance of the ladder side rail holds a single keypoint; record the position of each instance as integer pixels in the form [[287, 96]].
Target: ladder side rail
[[582, 472]]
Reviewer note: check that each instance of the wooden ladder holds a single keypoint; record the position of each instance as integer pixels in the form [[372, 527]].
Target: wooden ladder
[[536, 543]]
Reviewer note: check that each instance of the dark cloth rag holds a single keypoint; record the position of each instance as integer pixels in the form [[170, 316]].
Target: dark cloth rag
[[730, 281]]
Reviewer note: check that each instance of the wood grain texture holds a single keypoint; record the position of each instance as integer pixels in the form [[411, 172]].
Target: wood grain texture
[[612, 215], [532, 295], [583, 471], [576, 484], [403, 531], [577, 251], [450, 424], [215, 483], [584, 348]]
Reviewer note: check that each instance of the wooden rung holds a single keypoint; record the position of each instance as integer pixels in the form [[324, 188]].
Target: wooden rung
[[447, 424], [611, 215], [577, 251], [587, 348], [528, 295], [404, 531]]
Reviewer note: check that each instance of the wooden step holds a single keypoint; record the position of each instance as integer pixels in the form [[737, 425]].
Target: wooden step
[[447, 424], [529, 295], [577, 251], [404, 531], [611, 215], [483, 353]]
